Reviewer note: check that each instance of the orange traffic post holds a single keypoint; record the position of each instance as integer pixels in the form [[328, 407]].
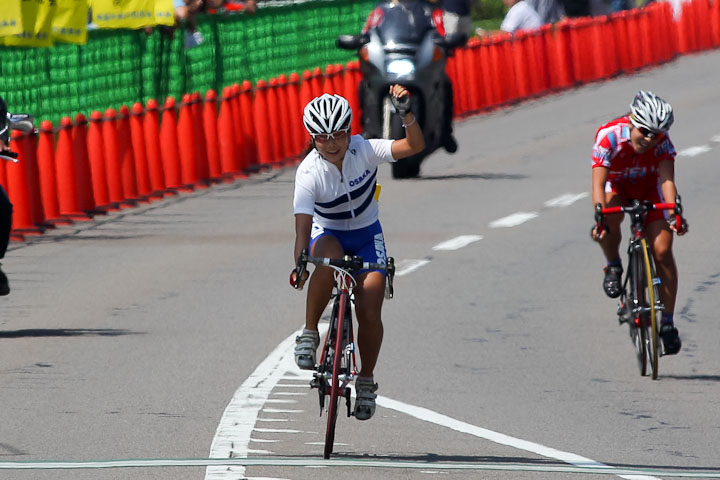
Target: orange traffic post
[[86, 198], [48, 175], [113, 169], [201, 156], [18, 189], [275, 118], [260, 115], [210, 124], [67, 184], [239, 137], [151, 134], [137, 139], [226, 140], [126, 155], [350, 89], [283, 95], [186, 143], [295, 114], [247, 125], [316, 82], [96, 153], [169, 145]]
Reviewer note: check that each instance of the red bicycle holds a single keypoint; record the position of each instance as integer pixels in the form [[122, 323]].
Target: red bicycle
[[640, 300], [337, 366]]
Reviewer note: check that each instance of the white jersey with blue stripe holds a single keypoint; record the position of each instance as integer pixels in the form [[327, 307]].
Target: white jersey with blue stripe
[[342, 200]]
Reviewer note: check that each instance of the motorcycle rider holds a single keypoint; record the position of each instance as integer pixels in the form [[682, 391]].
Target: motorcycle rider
[[8, 122], [432, 15]]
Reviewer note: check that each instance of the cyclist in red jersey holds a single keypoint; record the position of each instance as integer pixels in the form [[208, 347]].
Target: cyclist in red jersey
[[633, 158]]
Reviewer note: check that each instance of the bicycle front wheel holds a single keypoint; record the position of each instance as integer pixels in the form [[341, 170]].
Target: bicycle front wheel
[[335, 387], [651, 295], [638, 330]]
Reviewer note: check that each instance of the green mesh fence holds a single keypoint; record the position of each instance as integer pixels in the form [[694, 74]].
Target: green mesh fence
[[120, 67]]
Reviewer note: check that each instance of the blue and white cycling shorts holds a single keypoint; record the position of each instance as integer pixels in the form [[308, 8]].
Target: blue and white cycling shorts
[[367, 242]]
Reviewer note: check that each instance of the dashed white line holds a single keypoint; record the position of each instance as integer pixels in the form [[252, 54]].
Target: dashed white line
[[406, 266], [566, 200], [513, 220], [457, 242], [276, 430], [694, 151]]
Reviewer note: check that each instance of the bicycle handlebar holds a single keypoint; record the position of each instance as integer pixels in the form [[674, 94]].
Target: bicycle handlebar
[[352, 264], [637, 207]]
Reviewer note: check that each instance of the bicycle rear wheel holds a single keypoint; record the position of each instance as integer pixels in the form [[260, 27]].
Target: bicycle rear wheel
[[651, 296], [335, 387]]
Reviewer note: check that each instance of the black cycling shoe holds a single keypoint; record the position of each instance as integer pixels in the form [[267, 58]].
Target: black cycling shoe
[[4, 285], [450, 144], [670, 338], [612, 283]]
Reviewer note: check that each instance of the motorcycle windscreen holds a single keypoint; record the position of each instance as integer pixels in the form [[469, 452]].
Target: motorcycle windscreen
[[405, 23]]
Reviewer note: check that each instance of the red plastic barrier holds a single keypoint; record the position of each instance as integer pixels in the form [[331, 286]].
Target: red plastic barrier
[[201, 155], [96, 154], [186, 139], [48, 175], [18, 188], [227, 136], [715, 23], [316, 82], [462, 69], [67, 184], [126, 155], [350, 91], [137, 140], [113, 168], [278, 134], [296, 125], [86, 199], [210, 124], [562, 57], [519, 48], [286, 130], [151, 134], [260, 115], [169, 145], [249, 129], [327, 80]]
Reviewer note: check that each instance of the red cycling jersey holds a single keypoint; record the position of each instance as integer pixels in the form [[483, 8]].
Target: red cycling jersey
[[631, 175]]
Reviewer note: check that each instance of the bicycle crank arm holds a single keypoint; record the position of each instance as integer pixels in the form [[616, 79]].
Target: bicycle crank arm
[[347, 401]]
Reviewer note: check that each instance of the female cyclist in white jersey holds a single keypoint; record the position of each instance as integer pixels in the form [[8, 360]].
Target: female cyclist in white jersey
[[336, 214]]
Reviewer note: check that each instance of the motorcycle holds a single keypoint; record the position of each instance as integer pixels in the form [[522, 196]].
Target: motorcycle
[[403, 46]]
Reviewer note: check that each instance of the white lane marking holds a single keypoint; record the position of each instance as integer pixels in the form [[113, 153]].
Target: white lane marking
[[278, 410], [457, 242], [500, 438], [273, 419], [263, 440], [233, 433], [289, 393], [513, 220], [566, 200], [694, 151], [406, 266], [279, 400], [276, 430], [715, 139]]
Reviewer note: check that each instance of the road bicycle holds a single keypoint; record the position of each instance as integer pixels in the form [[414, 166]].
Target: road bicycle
[[640, 302], [336, 367]]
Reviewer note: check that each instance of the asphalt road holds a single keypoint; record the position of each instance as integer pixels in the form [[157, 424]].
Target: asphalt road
[[160, 335]]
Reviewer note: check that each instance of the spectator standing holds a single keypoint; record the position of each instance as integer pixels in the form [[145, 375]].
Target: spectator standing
[[456, 16], [550, 11], [521, 16]]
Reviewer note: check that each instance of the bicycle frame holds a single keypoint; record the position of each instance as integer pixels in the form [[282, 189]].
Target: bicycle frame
[[640, 300], [337, 366]]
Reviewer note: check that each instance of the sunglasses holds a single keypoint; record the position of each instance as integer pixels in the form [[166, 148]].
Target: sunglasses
[[647, 133], [326, 137]]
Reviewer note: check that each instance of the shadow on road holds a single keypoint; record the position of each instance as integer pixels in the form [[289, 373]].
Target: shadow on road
[[65, 332], [473, 176]]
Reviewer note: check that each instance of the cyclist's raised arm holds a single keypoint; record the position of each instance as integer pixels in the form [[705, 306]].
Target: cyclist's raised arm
[[414, 141]]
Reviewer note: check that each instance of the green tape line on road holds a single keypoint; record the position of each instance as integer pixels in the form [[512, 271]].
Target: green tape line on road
[[680, 472]]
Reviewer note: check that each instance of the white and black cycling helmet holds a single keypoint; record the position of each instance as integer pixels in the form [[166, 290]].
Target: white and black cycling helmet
[[651, 112], [327, 114]]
